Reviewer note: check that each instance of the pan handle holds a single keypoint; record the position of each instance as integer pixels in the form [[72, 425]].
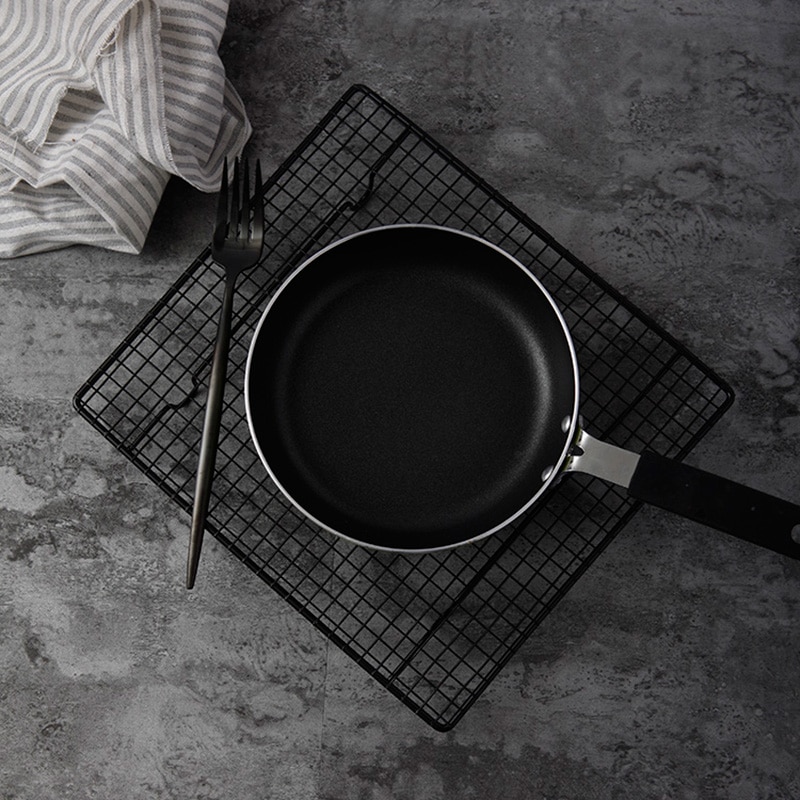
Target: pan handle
[[720, 503]]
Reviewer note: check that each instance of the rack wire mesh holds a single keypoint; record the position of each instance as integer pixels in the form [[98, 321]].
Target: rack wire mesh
[[433, 629]]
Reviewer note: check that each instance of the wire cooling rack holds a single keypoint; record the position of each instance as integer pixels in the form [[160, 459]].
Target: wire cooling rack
[[434, 629]]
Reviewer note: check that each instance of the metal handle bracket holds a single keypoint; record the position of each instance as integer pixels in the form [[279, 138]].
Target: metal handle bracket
[[602, 460]]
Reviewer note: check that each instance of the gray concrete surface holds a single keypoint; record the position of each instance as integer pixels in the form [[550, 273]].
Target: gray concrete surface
[[660, 143]]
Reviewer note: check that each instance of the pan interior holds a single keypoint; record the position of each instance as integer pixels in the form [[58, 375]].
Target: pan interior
[[407, 387]]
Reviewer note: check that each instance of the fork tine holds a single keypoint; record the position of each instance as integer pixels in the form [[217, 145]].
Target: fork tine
[[245, 215], [234, 216], [221, 228], [258, 212]]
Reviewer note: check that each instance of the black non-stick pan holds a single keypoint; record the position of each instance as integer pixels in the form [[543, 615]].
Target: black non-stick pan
[[415, 388]]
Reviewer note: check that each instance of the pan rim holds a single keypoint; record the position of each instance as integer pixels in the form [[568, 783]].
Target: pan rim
[[569, 430]]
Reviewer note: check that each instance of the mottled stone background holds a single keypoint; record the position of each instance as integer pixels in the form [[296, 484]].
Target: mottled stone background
[[660, 142]]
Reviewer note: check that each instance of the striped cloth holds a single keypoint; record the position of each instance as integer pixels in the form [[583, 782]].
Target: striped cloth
[[100, 102]]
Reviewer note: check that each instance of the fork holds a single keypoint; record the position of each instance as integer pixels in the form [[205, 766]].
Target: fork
[[236, 246]]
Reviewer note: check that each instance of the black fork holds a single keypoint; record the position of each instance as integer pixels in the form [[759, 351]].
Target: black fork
[[236, 246]]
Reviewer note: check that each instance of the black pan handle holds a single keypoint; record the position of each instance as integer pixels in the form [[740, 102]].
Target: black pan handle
[[718, 502]]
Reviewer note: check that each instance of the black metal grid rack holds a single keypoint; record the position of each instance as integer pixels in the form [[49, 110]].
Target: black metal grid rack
[[433, 629]]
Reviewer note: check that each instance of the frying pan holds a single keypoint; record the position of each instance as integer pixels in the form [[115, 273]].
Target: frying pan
[[415, 388]]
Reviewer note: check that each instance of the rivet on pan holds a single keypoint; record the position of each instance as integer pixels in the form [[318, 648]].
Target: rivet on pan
[[565, 423], [548, 471]]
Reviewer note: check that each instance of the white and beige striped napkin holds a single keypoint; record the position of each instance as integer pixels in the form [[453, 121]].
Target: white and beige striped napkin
[[100, 102]]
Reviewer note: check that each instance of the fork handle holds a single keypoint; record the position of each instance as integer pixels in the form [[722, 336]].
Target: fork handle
[[211, 423]]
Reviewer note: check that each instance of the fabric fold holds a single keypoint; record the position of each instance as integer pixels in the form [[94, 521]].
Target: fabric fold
[[140, 94]]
